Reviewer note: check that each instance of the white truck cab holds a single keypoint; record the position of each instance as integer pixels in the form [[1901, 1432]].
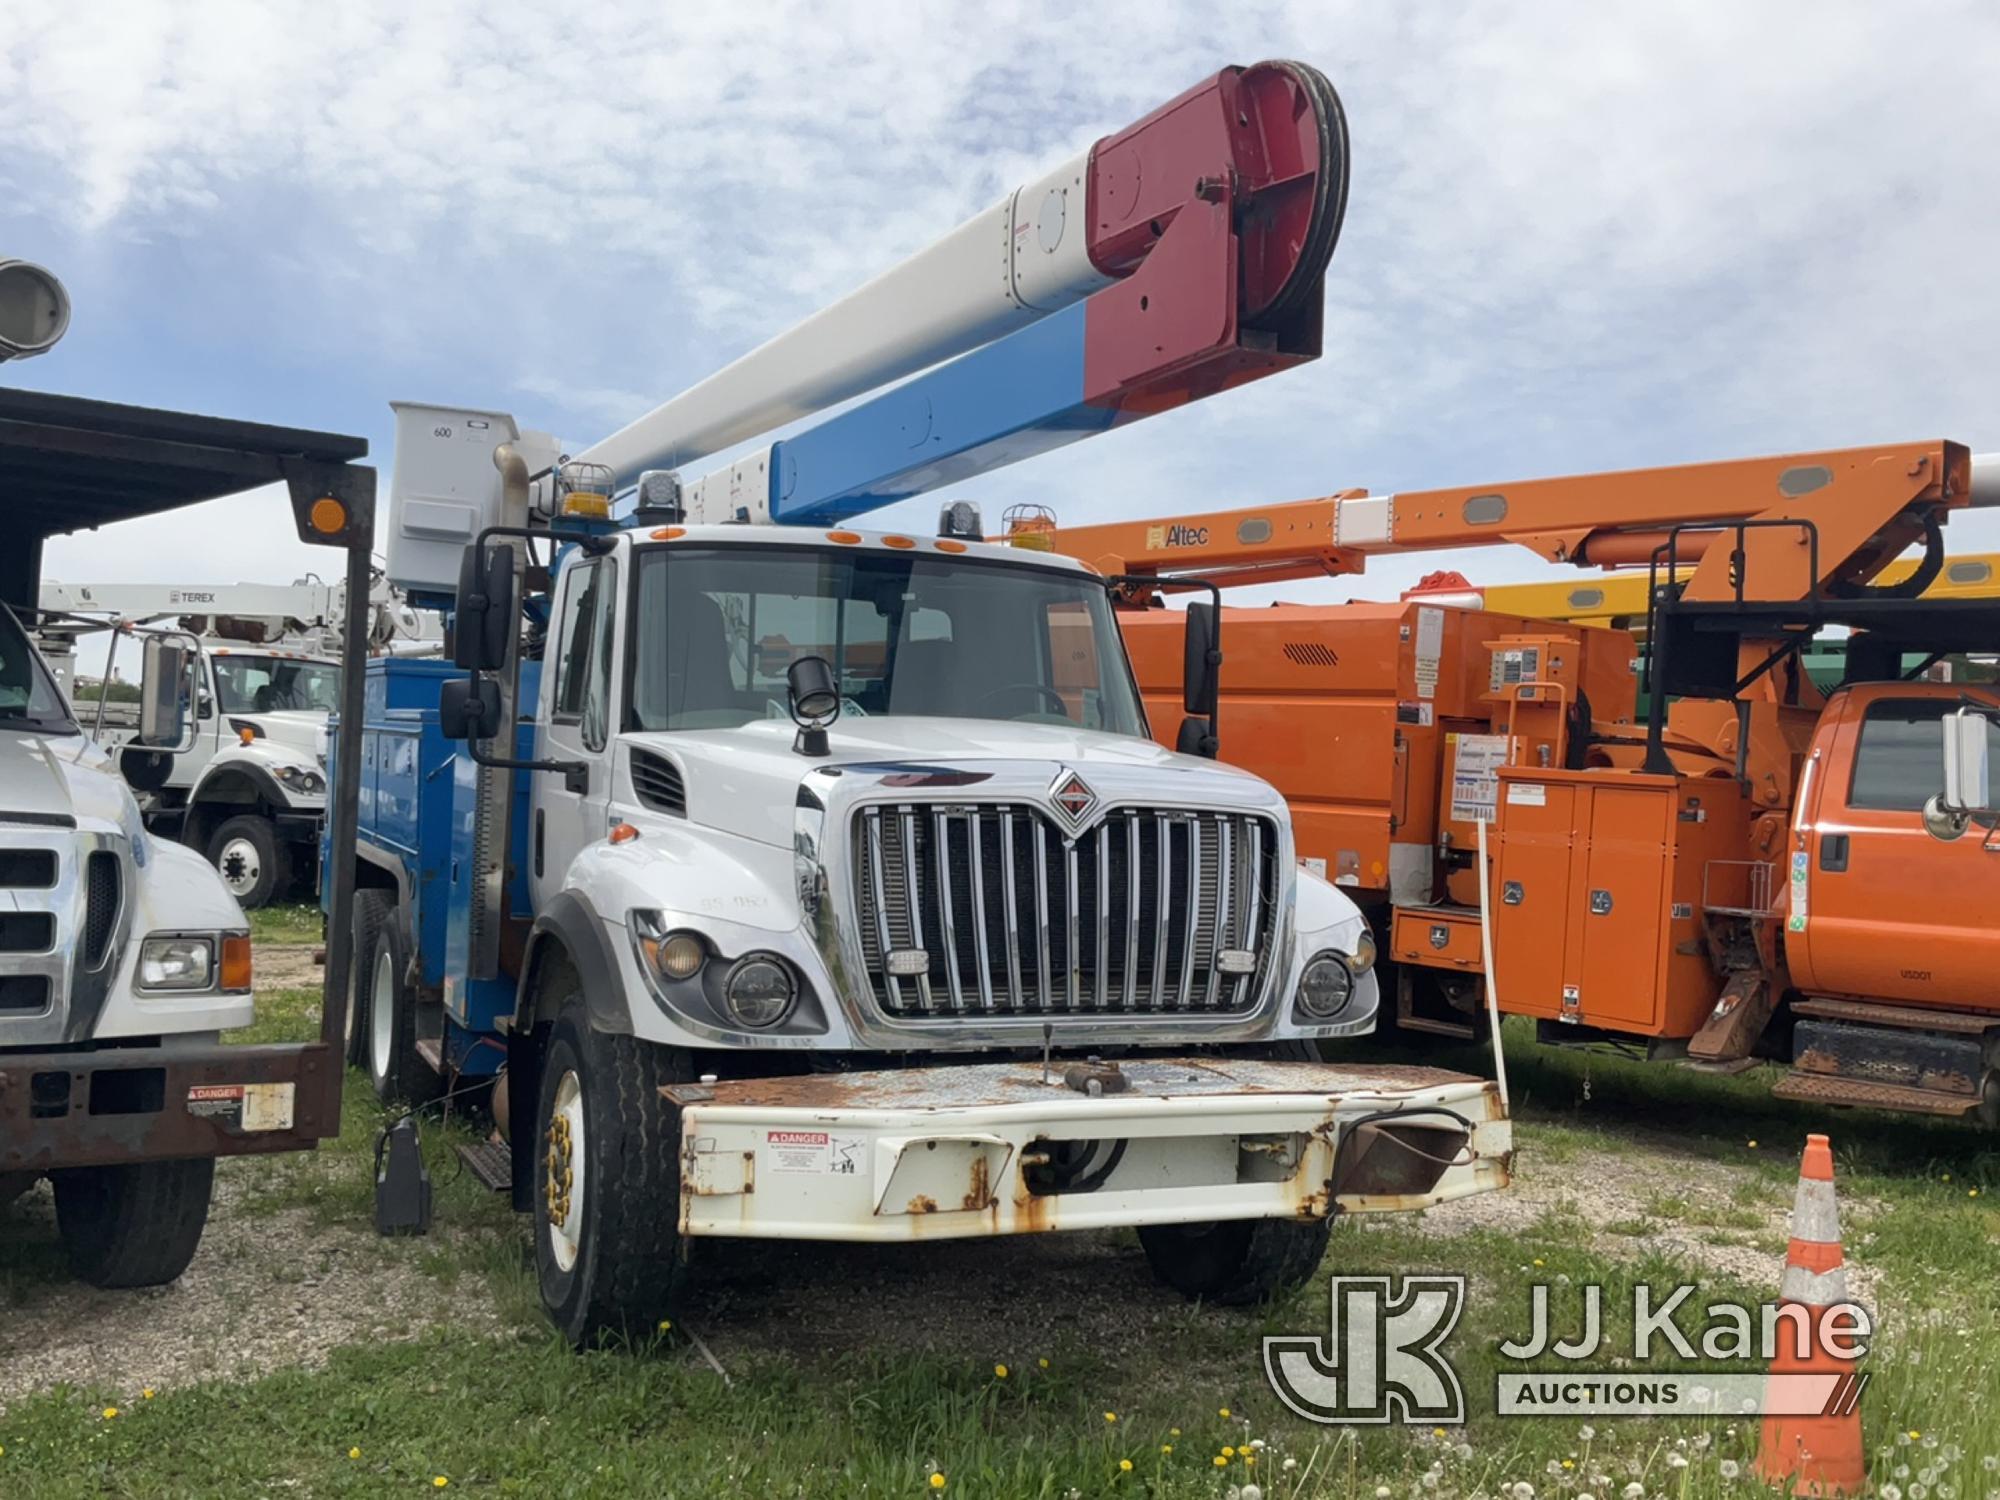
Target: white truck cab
[[109, 939]]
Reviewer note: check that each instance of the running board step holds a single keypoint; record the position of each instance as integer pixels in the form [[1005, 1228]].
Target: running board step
[[492, 1162], [1821, 1088]]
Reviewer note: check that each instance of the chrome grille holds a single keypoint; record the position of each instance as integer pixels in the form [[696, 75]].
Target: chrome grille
[[1013, 919]]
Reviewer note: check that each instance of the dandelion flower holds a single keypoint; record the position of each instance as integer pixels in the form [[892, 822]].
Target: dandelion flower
[[1227, 1451], [1250, 1492], [354, 1453], [1945, 1178], [665, 1324], [1111, 1416], [1000, 1372], [937, 1480], [1972, 1192], [1166, 1447], [1043, 1363], [1124, 1466], [110, 1412], [1220, 1462], [1250, 1460], [1523, 1490], [1891, 1492], [1586, 1432], [1753, 1145], [1539, 1261], [1569, 1463], [1635, 1491], [146, 1394], [1223, 1412], [440, 1482], [1729, 1468], [1382, 1492], [1289, 1464], [1173, 1432], [1990, 1463]]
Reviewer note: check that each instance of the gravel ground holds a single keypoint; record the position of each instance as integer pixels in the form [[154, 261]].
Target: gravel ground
[[266, 1289]]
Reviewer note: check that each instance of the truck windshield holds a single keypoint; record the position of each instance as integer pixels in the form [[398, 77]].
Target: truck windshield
[[718, 627], [29, 697], [273, 684]]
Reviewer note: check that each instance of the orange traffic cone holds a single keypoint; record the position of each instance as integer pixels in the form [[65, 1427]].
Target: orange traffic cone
[[1817, 1455]]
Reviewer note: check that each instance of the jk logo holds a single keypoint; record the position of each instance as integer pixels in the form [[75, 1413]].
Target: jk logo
[[1380, 1361]]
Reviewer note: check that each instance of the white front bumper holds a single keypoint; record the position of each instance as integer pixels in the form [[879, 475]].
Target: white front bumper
[[958, 1151]]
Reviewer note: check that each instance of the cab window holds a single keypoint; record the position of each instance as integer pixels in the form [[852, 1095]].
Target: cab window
[[1899, 764], [583, 652]]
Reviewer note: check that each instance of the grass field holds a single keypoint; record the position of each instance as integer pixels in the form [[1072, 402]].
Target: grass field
[[1142, 1395]]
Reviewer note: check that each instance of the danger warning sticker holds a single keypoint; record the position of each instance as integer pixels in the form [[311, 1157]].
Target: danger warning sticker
[[244, 1106]]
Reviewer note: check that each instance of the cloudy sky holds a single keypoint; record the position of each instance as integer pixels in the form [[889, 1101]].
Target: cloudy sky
[[1580, 236]]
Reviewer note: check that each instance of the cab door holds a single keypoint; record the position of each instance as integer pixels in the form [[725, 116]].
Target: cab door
[[575, 722], [1889, 912]]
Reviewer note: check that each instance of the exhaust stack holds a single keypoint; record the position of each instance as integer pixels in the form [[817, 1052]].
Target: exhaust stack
[[34, 310]]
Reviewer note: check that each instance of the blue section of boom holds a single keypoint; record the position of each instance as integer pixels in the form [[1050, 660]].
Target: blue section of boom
[[1010, 400]]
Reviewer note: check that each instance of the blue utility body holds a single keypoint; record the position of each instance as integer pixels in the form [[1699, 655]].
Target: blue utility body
[[417, 790]]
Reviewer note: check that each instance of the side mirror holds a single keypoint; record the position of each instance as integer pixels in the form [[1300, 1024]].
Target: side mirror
[[469, 709], [164, 696], [1201, 662], [1966, 787], [487, 612]]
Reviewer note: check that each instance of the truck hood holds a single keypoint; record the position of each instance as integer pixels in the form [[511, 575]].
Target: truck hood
[[64, 776], [293, 731], [745, 781]]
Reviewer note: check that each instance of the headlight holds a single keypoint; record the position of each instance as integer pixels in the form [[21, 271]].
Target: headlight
[[308, 783], [759, 990], [1325, 987], [673, 955], [1363, 957], [176, 963]]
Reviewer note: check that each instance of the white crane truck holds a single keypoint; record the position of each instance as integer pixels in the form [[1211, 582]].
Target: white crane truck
[[124, 961], [802, 882], [249, 791]]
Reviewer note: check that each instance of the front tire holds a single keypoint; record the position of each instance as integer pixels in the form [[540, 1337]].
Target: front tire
[[137, 1225], [389, 1041], [1236, 1262], [607, 1201], [253, 863]]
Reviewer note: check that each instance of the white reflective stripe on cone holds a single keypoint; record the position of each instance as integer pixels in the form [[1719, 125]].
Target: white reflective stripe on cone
[[1814, 1288], [1815, 1214]]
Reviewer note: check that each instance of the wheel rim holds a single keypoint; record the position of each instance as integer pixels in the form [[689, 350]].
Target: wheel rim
[[382, 1012], [562, 1172], [240, 867]]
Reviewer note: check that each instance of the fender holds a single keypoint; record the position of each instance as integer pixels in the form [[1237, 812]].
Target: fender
[[572, 923], [267, 785], [391, 865]]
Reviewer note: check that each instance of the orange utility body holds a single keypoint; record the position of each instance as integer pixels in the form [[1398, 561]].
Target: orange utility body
[[1703, 880]]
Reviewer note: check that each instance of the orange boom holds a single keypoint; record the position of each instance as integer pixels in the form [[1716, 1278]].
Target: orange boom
[[1754, 867]]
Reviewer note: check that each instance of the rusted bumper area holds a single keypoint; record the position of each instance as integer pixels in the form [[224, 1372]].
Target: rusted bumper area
[[988, 1149], [128, 1104]]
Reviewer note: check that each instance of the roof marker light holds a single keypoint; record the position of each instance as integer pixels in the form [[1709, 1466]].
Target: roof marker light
[[901, 543], [845, 538]]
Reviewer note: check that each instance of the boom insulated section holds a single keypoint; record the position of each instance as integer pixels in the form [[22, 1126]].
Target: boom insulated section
[[1177, 258]]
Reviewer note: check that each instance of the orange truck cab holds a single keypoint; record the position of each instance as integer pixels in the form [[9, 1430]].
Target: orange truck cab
[[1890, 930]]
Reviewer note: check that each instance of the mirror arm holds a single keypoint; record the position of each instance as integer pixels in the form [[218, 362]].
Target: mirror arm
[[575, 773]]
